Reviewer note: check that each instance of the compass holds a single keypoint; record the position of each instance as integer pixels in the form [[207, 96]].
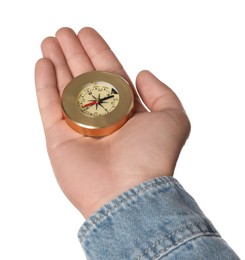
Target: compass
[[97, 103]]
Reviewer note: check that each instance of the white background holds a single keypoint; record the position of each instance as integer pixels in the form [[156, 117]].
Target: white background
[[196, 47]]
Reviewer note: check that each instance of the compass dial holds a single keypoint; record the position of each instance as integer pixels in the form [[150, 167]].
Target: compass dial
[[98, 99]]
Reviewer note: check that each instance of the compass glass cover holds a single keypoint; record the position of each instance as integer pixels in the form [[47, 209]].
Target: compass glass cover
[[97, 99]]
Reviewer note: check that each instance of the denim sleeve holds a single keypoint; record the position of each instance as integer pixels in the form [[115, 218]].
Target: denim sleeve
[[157, 219]]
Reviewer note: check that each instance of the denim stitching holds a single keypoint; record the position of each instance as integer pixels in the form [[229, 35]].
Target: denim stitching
[[138, 190], [146, 252], [184, 239], [121, 201]]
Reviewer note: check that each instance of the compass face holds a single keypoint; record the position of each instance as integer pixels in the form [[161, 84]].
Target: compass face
[[98, 99], [97, 103]]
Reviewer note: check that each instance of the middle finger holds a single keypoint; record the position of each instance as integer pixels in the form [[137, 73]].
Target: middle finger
[[75, 55]]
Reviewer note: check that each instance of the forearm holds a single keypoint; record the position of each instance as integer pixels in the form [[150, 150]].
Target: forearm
[[155, 220]]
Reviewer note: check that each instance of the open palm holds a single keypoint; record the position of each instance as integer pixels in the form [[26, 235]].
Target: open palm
[[92, 171]]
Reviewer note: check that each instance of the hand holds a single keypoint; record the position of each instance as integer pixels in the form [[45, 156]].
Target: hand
[[92, 171]]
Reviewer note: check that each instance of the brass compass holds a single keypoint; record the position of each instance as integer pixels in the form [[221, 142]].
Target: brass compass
[[97, 103]]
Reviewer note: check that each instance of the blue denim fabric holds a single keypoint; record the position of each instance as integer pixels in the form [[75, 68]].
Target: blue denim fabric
[[156, 220]]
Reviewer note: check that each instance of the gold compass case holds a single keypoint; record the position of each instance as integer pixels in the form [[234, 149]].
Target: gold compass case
[[97, 103]]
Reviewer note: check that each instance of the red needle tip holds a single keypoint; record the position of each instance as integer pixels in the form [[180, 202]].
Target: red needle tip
[[90, 104]]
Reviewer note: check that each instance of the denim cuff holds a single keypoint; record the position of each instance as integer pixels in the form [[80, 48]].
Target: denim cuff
[[147, 222]]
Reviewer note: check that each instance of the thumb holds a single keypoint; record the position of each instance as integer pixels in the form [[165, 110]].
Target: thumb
[[155, 94]]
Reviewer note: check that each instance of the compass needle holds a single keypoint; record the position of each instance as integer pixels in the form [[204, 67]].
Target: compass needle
[[106, 98], [90, 104]]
